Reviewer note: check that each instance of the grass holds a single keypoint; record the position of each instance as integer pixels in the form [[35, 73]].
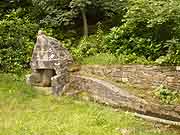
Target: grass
[[24, 111], [109, 59]]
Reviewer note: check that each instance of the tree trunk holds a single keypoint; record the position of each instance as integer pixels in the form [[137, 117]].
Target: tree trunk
[[85, 23]]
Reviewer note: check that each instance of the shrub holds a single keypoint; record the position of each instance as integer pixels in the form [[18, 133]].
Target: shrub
[[148, 26], [89, 46], [166, 95], [173, 55], [16, 42], [118, 42]]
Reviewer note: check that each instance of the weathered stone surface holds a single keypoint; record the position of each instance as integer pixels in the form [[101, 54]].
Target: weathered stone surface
[[177, 109], [109, 94], [50, 62], [139, 75]]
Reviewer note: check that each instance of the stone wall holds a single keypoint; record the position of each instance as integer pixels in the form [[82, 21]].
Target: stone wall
[[107, 93], [143, 76]]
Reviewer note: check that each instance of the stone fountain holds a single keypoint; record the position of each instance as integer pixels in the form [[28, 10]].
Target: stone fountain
[[50, 62], [50, 68]]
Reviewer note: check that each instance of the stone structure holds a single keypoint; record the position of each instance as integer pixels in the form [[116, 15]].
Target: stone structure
[[142, 76], [84, 82], [107, 93], [49, 64]]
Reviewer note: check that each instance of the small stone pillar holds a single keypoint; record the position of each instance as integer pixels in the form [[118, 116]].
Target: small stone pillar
[[50, 62]]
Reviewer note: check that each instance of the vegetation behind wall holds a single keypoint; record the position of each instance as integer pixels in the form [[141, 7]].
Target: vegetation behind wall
[[147, 30]]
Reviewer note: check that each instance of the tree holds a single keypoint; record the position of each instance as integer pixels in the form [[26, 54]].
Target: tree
[[81, 6], [148, 26], [62, 14]]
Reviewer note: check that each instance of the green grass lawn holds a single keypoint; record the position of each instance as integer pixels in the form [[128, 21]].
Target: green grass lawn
[[23, 111]]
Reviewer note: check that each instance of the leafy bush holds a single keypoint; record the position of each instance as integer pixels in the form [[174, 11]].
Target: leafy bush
[[118, 41], [16, 42], [89, 46], [173, 55], [148, 30], [166, 96], [148, 26]]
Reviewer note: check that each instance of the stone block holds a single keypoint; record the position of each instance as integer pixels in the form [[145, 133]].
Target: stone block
[[124, 79], [50, 64], [144, 75]]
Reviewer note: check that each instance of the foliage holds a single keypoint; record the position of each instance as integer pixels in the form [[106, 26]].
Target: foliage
[[80, 4], [109, 59], [148, 26], [51, 13], [157, 20], [91, 45], [166, 95], [62, 14], [141, 30], [16, 42], [26, 112], [173, 56]]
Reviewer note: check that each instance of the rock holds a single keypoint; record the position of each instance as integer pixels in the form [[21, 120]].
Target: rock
[[177, 109], [50, 62]]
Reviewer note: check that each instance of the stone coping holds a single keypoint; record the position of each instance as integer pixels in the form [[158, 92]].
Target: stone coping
[[142, 76]]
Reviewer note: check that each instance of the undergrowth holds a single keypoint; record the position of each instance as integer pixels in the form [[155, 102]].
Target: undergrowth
[[166, 95], [108, 59]]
